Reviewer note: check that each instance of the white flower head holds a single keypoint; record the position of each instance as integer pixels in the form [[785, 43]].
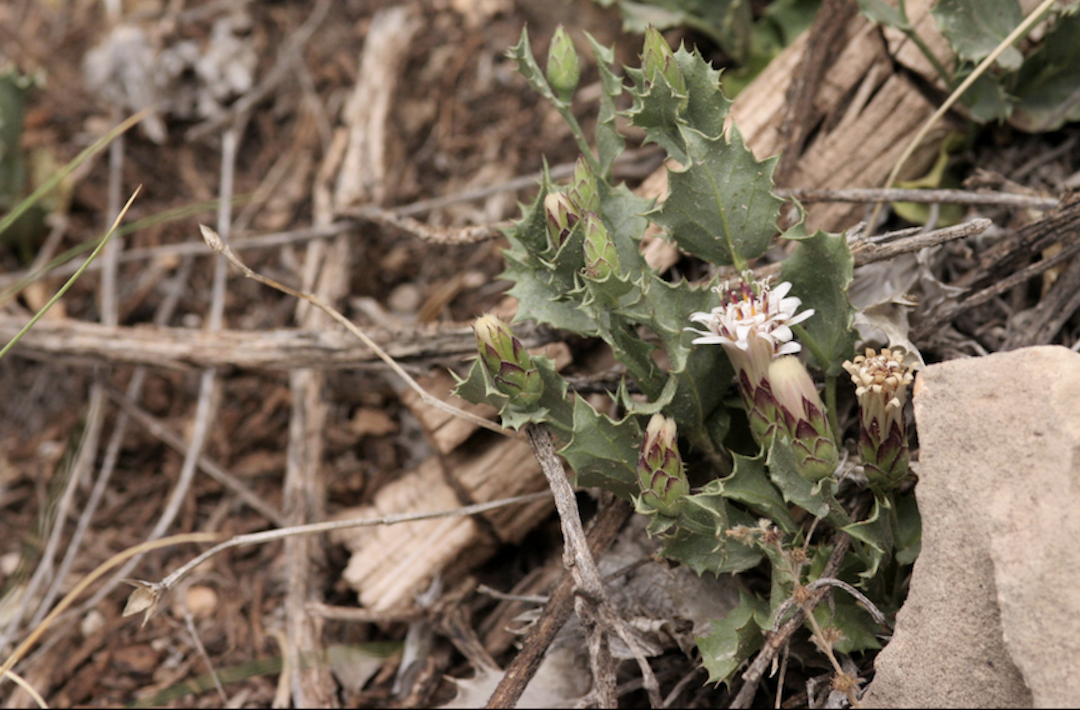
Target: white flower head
[[753, 324]]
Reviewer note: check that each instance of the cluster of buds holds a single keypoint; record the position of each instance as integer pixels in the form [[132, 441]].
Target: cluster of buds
[[565, 209], [753, 326], [660, 469], [881, 383], [508, 363]]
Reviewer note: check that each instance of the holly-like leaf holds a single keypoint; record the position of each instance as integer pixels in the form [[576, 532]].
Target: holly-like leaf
[[975, 28], [734, 638], [720, 206], [820, 270], [750, 484], [609, 142], [603, 452], [785, 474], [656, 110], [701, 542]]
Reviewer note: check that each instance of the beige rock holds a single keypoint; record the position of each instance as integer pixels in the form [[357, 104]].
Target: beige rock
[[993, 615]]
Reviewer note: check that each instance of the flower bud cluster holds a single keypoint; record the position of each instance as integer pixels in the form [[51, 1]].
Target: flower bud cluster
[[881, 384]]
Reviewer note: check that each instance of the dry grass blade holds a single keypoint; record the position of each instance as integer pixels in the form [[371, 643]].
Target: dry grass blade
[[21, 682], [63, 289]]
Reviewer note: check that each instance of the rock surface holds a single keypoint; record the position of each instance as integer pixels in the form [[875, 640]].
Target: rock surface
[[993, 615]]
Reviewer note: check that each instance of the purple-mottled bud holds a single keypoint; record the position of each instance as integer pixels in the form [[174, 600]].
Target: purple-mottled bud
[[561, 216], [804, 413], [660, 470], [508, 363]]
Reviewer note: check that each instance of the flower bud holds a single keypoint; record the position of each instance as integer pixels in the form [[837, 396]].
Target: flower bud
[[804, 414], [561, 216], [601, 258], [660, 470], [583, 191], [881, 382], [658, 59], [563, 67], [507, 362]]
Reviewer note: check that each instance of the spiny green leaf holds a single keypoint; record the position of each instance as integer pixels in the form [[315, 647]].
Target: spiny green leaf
[[733, 639], [720, 207], [701, 542], [876, 534], [784, 472], [855, 623], [656, 110], [750, 484], [820, 270], [623, 213], [706, 106], [603, 452]]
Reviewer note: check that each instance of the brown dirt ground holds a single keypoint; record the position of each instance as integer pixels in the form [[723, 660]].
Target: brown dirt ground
[[462, 119]]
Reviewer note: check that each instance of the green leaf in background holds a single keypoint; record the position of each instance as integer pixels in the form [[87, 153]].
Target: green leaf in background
[[975, 28], [820, 270], [986, 99], [734, 638], [726, 22], [1047, 87], [720, 207], [750, 484], [883, 13], [908, 528], [876, 534], [609, 142], [855, 623], [784, 472], [603, 452]]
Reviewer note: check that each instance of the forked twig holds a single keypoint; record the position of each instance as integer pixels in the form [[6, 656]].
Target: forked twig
[[218, 245]]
